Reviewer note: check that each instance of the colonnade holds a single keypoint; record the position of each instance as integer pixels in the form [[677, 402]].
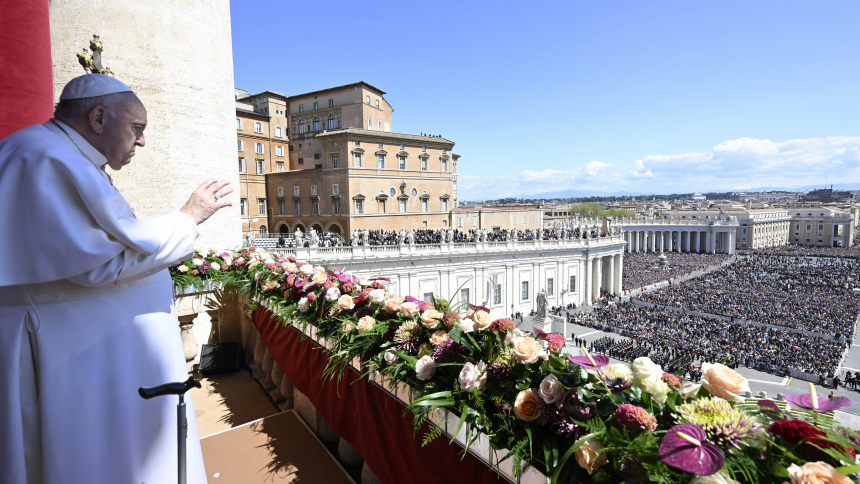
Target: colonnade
[[689, 240], [603, 274]]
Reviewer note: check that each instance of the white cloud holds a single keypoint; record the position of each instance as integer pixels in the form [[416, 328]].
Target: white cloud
[[744, 162]]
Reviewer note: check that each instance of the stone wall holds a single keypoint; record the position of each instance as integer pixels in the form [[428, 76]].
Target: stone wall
[[178, 58]]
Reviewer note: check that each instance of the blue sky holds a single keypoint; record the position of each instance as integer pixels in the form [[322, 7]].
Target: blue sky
[[658, 96]]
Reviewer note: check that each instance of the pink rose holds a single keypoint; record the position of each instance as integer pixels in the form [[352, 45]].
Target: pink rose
[[426, 305], [466, 325], [551, 390], [425, 367], [473, 377], [312, 297], [376, 296]]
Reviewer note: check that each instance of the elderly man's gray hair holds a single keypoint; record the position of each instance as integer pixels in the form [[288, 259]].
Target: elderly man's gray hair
[[78, 109]]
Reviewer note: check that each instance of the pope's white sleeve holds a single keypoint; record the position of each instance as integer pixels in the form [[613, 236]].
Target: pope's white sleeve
[[176, 235]]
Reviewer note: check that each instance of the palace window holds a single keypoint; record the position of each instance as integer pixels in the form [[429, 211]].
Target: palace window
[[261, 206], [356, 160], [359, 206], [296, 191], [279, 151], [525, 290], [261, 167], [444, 205], [335, 207], [474, 221], [377, 104], [316, 106], [315, 207], [241, 145], [464, 295], [423, 164], [301, 108], [368, 100], [460, 223], [402, 162], [280, 166], [301, 126], [331, 121], [301, 161], [369, 123], [258, 148], [258, 127], [334, 160], [572, 287], [424, 206], [331, 103], [402, 206], [316, 124], [242, 165], [380, 161], [280, 206], [550, 287], [313, 189], [444, 165], [497, 290], [335, 189], [243, 206], [280, 191], [297, 207]]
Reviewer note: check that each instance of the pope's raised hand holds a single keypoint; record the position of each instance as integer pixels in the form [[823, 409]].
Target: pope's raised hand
[[207, 199]]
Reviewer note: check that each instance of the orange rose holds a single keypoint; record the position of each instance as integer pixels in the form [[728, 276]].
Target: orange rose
[[345, 302], [816, 473], [408, 309], [319, 278], [721, 381], [589, 457], [392, 305], [365, 324], [439, 337], [526, 349], [430, 318], [527, 405], [482, 320]]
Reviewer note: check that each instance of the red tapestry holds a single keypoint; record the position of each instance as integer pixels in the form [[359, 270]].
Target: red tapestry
[[367, 416], [26, 77]]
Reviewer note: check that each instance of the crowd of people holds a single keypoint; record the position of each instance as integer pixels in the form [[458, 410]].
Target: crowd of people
[[440, 236], [851, 252], [682, 341], [811, 294], [640, 269]]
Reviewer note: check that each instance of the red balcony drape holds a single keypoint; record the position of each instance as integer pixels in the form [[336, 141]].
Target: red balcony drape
[[26, 76], [367, 417]]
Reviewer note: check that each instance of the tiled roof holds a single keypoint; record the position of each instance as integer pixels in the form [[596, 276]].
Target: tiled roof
[[385, 134]]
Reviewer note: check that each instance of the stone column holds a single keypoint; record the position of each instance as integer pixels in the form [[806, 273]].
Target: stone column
[[595, 278], [589, 269], [670, 234], [678, 247], [731, 242], [619, 261], [610, 274]]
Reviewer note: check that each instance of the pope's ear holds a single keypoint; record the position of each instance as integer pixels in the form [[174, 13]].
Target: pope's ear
[[97, 118]]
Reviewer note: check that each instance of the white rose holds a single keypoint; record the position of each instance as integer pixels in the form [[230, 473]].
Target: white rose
[[304, 304], [648, 376], [467, 325], [319, 269], [197, 262], [376, 296], [183, 269], [365, 282], [332, 294], [473, 376], [425, 368], [306, 270], [390, 357], [215, 266], [365, 324], [551, 390], [290, 267]]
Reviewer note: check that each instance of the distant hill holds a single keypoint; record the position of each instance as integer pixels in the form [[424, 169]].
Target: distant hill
[[596, 193]]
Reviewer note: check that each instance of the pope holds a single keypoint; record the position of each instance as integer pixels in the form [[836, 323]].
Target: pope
[[86, 301]]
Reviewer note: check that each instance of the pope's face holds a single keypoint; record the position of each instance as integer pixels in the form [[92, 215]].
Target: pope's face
[[124, 133]]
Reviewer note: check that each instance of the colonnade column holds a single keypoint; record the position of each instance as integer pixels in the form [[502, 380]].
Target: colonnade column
[[669, 241], [595, 278], [731, 237], [696, 240], [610, 274], [617, 275], [589, 269]]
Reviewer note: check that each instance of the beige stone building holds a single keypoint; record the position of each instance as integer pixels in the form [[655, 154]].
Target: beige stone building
[[364, 179], [263, 144], [821, 226], [496, 219], [760, 228]]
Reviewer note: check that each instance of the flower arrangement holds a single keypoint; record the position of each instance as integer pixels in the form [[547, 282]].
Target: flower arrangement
[[577, 417]]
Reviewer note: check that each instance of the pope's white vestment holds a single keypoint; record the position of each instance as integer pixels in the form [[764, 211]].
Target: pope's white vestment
[[86, 317]]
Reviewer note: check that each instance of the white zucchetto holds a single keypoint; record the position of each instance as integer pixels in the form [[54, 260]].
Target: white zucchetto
[[92, 85]]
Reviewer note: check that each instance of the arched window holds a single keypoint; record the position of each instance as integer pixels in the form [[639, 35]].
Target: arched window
[[263, 231], [301, 126], [331, 121], [316, 124]]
